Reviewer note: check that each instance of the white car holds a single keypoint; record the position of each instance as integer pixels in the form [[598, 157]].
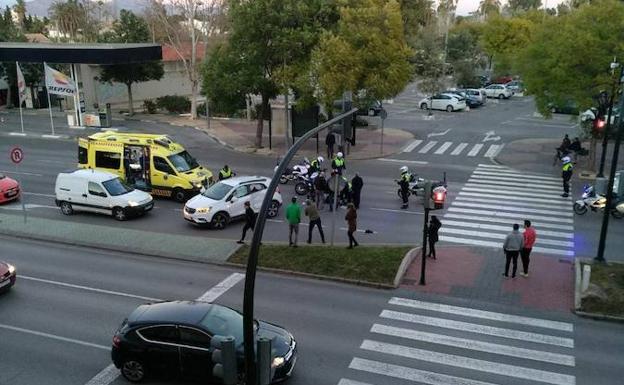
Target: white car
[[225, 201], [498, 91], [477, 93], [99, 192], [448, 102]]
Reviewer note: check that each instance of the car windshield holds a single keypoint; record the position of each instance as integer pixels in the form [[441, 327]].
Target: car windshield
[[224, 321], [116, 187], [183, 161], [217, 191]]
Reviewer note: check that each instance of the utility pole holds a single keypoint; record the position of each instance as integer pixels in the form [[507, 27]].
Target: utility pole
[[616, 152], [605, 138], [427, 205]]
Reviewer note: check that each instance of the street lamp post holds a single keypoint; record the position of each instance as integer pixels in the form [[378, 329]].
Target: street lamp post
[[605, 137]]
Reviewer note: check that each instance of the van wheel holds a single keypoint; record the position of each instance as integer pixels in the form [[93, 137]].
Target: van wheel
[[219, 221], [119, 214], [133, 370], [66, 208], [273, 209], [449, 108], [179, 195]]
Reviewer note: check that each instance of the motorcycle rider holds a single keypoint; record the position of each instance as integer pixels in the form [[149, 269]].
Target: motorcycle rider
[[404, 180], [226, 173], [566, 175], [315, 165], [338, 163]]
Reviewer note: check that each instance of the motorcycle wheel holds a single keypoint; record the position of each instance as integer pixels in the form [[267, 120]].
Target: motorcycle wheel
[[283, 179], [617, 214], [579, 208], [301, 188]]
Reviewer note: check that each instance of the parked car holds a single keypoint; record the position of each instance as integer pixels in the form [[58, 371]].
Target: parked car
[[100, 192], [224, 202], [370, 109], [471, 100], [499, 91], [478, 93], [568, 107], [516, 86], [448, 102], [9, 189], [8, 276], [174, 338]]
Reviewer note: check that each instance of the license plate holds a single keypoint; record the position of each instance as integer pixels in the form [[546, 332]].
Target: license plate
[[4, 283]]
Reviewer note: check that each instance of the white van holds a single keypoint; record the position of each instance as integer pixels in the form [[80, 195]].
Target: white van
[[99, 192]]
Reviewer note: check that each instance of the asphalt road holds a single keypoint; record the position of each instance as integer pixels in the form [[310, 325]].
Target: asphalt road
[[58, 321]]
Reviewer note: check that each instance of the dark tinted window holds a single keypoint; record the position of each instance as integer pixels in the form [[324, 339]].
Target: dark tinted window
[[160, 334], [82, 155], [224, 321], [193, 337], [116, 187], [161, 164], [110, 160]]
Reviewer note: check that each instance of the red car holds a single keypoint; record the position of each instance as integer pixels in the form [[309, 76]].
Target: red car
[[7, 276], [9, 189]]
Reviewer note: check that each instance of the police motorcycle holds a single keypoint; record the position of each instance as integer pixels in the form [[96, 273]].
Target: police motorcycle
[[417, 185], [590, 200], [295, 172]]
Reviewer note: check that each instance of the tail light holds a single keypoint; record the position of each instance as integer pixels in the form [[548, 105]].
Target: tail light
[[116, 341]]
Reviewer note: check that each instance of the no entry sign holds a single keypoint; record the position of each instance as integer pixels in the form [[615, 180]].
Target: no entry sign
[[17, 155]]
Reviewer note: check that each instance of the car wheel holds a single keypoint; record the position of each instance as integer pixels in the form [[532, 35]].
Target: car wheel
[[579, 208], [66, 208], [133, 370], [179, 195], [423, 106], [449, 108], [219, 221], [119, 213], [273, 209], [301, 188], [501, 96]]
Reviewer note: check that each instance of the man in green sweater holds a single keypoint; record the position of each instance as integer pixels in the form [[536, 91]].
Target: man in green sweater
[[293, 215]]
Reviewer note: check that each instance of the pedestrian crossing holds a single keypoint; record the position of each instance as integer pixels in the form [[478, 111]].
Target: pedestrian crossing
[[439, 344], [433, 147], [496, 197]]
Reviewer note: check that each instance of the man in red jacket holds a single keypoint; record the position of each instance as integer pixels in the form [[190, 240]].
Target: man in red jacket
[[529, 241]]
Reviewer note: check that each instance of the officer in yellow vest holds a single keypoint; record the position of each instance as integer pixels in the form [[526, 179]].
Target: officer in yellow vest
[[338, 163], [225, 173], [566, 175]]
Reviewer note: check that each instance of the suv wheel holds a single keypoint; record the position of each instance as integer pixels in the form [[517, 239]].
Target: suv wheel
[[179, 195], [273, 209], [449, 108], [133, 370], [119, 214], [501, 96], [219, 221], [66, 208]]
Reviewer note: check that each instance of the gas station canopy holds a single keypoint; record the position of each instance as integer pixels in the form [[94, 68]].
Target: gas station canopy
[[79, 53]]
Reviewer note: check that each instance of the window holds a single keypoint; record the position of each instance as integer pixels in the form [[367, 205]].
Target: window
[[167, 334], [183, 161], [241, 191], [194, 337], [217, 191], [224, 321], [96, 189], [161, 164], [254, 188], [110, 160], [116, 187], [82, 155]]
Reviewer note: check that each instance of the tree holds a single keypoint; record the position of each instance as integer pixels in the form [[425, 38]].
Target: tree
[[20, 10], [504, 38], [465, 52], [416, 14], [130, 28], [489, 8], [518, 6]]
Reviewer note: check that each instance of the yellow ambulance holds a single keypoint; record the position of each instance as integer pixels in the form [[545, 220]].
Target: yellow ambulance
[[152, 163]]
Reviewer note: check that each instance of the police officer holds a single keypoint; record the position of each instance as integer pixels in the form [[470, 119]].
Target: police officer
[[566, 175], [404, 181], [315, 165], [338, 163], [225, 172]]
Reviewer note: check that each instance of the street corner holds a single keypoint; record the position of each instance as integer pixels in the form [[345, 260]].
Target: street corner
[[456, 267], [549, 285], [369, 143], [529, 155]]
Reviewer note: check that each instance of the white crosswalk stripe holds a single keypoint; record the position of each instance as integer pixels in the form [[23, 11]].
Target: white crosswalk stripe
[[475, 149], [443, 148], [425, 147], [460, 147], [495, 197], [493, 150], [413, 144], [462, 346]]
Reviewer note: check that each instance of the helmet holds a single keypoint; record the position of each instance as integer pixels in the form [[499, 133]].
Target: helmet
[[306, 160], [339, 155], [320, 159], [404, 169], [566, 159]]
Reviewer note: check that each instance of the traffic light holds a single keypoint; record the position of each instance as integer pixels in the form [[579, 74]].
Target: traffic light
[[599, 124], [439, 196], [427, 197], [224, 359]]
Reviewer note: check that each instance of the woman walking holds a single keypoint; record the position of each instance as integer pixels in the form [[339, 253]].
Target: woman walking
[[434, 226], [351, 219]]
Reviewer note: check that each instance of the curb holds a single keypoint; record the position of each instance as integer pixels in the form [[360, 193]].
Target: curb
[[598, 316], [407, 261]]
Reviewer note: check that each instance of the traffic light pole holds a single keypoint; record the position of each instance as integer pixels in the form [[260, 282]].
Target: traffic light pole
[[427, 206], [605, 135]]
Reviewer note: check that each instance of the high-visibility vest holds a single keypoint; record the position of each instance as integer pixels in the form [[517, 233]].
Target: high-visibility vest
[[339, 162], [567, 167], [406, 177], [226, 173]]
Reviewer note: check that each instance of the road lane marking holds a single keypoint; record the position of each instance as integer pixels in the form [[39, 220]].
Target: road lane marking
[[105, 377], [479, 329], [512, 181], [399, 211], [465, 343], [517, 191], [511, 203], [221, 287], [483, 314], [410, 374], [53, 336], [403, 161], [87, 288], [475, 149], [19, 173], [512, 208], [483, 226], [565, 204], [469, 363], [428, 147], [507, 221], [493, 150], [346, 381], [515, 175], [493, 166], [477, 242], [514, 216], [413, 144], [481, 234], [443, 148], [459, 149]]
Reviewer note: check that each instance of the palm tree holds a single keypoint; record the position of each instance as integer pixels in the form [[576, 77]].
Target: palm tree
[[69, 17], [488, 7], [20, 10]]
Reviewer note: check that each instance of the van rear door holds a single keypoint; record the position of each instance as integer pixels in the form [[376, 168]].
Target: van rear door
[[83, 152]]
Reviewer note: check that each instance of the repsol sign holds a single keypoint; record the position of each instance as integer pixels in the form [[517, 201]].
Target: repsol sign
[[60, 90]]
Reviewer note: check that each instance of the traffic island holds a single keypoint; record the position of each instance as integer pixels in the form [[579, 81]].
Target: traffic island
[[374, 266], [600, 290]]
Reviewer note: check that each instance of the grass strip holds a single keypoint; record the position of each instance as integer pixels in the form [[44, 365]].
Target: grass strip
[[377, 264], [610, 277]]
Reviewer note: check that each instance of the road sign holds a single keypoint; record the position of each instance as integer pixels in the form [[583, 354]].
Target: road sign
[[383, 114], [17, 155]]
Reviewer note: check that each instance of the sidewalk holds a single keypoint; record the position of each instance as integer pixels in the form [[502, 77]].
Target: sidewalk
[[475, 273]]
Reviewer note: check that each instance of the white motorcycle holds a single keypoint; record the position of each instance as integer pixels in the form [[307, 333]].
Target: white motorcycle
[[594, 202]]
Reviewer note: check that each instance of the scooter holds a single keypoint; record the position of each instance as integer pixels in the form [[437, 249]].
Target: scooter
[[592, 201]]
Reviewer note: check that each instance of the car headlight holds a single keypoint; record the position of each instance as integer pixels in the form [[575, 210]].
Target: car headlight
[[277, 361], [11, 268], [198, 184], [203, 210], [133, 203]]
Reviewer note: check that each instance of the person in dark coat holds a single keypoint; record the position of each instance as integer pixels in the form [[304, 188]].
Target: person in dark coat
[[356, 185], [434, 226], [320, 188], [330, 141], [351, 219], [250, 221]]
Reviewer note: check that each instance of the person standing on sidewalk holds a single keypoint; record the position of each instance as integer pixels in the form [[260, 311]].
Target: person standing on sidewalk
[[566, 175], [356, 185], [351, 219], [293, 216], [315, 220], [330, 141], [512, 246], [434, 226], [529, 241], [250, 221]]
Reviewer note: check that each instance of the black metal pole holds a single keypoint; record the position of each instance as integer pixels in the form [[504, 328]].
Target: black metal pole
[[605, 138], [424, 246], [252, 261], [607, 211]]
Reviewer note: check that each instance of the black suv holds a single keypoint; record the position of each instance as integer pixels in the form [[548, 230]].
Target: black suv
[[173, 338]]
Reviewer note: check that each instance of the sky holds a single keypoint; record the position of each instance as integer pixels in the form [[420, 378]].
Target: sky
[[464, 7]]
